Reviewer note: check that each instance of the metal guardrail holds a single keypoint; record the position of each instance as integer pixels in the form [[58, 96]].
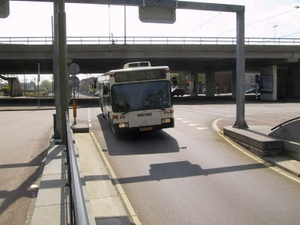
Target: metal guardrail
[[280, 125], [78, 212], [93, 40]]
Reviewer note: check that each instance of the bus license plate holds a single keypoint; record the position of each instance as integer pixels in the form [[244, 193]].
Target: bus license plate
[[146, 128]]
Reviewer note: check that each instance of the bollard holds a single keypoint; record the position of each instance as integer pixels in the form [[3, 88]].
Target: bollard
[[74, 111]]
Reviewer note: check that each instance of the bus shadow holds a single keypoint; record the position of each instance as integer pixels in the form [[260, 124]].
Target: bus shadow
[[132, 143]]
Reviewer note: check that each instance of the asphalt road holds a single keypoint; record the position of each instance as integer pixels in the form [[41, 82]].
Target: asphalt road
[[184, 175], [191, 175], [24, 138]]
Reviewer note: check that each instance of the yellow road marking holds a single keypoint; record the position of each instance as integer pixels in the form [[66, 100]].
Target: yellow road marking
[[117, 184]]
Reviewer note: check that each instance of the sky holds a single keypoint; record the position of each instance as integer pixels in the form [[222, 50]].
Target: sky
[[263, 18]]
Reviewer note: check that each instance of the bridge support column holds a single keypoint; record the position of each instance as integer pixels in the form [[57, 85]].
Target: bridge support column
[[194, 84], [269, 82], [210, 87], [295, 77]]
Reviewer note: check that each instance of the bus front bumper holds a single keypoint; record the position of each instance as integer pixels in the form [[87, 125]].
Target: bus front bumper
[[117, 128]]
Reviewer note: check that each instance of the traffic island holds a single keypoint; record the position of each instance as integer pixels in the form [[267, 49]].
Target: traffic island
[[256, 140], [80, 128]]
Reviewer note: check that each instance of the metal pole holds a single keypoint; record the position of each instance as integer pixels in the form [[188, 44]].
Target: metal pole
[[240, 72], [57, 122], [124, 24], [108, 23], [38, 84], [79, 213], [63, 75], [74, 101]]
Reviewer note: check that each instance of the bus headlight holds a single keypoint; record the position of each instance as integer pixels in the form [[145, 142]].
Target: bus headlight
[[123, 125], [167, 120]]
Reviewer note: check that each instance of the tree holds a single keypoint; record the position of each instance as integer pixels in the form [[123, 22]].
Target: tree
[[46, 86], [6, 88], [181, 79]]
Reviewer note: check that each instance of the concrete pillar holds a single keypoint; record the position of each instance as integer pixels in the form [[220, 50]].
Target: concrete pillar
[[269, 81], [194, 84], [296, 81], [291, 81], [210, 87]]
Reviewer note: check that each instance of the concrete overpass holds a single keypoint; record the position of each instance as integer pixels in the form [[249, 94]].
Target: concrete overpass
[[267, 56], [192, 55]]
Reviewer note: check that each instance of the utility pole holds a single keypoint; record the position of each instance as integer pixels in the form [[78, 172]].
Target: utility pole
[[63, 74], [57, 119]]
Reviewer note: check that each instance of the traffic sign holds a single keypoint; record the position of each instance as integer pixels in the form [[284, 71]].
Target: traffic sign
[[4, 8], [153, 14], [74, 81], [73, 69]]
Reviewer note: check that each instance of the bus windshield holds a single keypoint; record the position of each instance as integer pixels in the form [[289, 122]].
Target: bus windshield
[[141, 96]]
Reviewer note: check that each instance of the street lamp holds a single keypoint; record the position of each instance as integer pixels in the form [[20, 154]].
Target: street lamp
[[275, 30], [275, 26]]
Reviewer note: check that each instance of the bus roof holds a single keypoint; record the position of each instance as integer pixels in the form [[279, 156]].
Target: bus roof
[[138, 69]]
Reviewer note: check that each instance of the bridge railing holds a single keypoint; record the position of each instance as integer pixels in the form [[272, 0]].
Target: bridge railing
[[141, 40]]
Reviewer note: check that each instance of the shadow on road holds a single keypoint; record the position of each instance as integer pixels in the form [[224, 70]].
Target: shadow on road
[[137, 143]]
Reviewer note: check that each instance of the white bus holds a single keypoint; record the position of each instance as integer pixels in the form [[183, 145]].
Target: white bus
[[137, 97]]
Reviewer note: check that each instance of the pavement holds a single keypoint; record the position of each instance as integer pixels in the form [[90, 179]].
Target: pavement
[[105, 200]]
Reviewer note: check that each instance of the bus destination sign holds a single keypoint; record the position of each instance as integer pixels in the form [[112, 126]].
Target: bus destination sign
[[140, 75]]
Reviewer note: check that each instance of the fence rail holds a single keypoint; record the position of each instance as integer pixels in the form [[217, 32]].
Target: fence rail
[[93, 40], [78, 211]]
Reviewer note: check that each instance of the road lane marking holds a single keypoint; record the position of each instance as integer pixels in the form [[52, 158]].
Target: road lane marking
[[202, 128], [89, 117], [119, 187], [194, 124]]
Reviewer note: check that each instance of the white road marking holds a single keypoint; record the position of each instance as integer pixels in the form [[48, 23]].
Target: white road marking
[[202, 128], [89, 117]]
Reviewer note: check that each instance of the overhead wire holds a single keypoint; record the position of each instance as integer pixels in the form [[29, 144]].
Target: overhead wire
[[291, 34], [258, 21], [208, 21]]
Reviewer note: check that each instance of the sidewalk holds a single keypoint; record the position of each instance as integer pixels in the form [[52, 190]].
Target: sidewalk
[[103, 203]]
